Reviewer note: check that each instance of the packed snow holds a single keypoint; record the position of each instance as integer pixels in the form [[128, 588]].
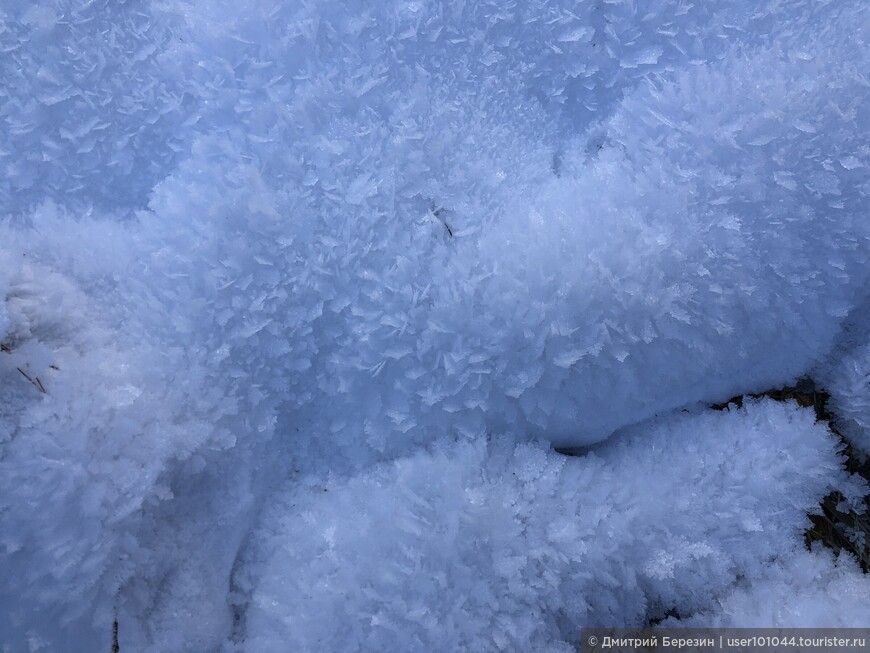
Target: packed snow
[[298, 300]]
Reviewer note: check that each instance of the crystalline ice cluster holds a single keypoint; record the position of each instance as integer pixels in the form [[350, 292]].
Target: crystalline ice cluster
[[505, 546], [297, 298]]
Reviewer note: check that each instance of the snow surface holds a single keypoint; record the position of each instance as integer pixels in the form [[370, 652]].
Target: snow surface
[[298, 296], [450, 549], [808, 590], [846, 374]]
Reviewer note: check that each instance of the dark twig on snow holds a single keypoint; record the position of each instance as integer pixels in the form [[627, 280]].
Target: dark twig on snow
[[34, 380], [439, 213]]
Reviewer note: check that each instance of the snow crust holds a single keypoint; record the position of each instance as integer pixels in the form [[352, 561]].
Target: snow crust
[[296, 298]]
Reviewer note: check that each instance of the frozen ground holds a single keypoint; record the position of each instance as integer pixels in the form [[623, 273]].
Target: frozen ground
[[297, 298]]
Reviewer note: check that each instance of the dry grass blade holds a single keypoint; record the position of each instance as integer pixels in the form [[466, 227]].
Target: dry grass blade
[[35, 381]]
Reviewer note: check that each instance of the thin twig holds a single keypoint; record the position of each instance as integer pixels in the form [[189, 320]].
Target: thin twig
[[36, 384], [438, 213]]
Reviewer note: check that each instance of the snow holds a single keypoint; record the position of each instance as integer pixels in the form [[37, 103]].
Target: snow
[[296, 300], [846, 374], [450, 548], [807, 590]]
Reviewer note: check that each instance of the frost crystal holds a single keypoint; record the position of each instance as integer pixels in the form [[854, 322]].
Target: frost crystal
[[295, 299]]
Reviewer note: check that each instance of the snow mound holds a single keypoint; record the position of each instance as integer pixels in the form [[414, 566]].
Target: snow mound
[[508, 546], [806, 590]]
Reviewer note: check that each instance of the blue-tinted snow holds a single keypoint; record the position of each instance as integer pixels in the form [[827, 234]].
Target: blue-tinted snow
[[451, 549], [281, 265]]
